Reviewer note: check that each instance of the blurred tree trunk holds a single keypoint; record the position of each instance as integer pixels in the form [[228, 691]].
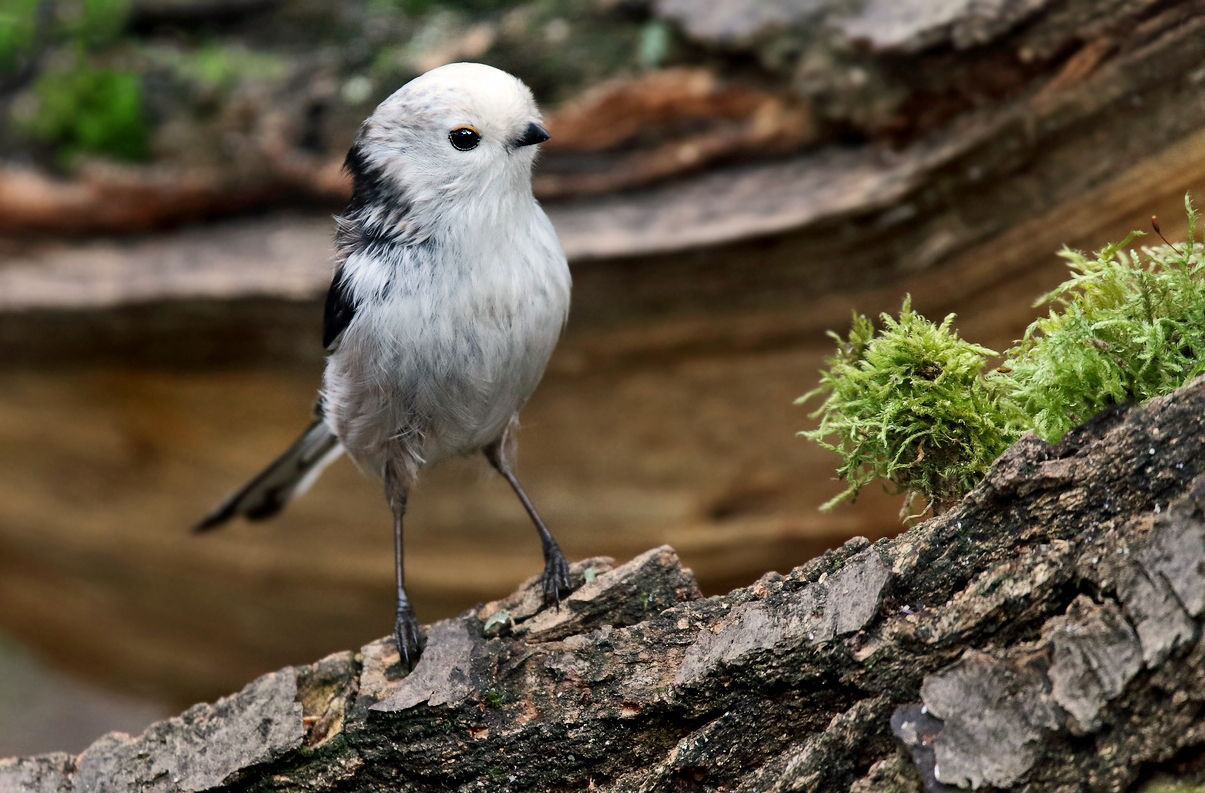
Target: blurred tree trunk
[[1043, 635]]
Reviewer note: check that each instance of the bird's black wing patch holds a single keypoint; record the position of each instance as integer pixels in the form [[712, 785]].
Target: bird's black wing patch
[[368, 183], [340, 309], [378, 216]]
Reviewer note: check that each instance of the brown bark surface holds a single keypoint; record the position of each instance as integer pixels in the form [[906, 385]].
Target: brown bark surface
[[1043, 635]]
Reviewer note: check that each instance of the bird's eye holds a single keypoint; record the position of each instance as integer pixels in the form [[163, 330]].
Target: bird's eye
[[464, 138]]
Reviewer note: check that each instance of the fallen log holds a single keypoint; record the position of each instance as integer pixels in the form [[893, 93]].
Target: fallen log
[[1043, 635]]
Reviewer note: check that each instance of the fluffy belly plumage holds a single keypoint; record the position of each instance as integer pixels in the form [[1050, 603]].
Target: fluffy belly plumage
[[432, 381]]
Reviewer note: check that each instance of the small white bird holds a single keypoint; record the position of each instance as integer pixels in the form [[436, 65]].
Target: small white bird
[[449, 294]]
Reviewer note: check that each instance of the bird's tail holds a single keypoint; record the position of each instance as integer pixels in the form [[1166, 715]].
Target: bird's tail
[[290, 475]]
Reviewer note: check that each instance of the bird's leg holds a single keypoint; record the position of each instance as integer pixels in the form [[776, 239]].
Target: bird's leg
[[555, 579], [405, 630]]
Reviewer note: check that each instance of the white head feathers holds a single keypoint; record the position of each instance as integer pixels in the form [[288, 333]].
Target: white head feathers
[[464, 127]]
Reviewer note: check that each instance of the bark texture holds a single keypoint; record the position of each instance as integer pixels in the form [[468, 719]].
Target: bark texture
[[1043, 635]]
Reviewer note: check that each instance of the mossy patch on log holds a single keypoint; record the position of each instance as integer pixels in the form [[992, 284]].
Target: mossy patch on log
[[917, 406]]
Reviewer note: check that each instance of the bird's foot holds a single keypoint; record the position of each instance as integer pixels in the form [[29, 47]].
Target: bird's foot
[[555, 579], [405, 633]]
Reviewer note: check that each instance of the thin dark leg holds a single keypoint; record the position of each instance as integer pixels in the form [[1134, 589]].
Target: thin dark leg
[[555, 579], [405, 630]]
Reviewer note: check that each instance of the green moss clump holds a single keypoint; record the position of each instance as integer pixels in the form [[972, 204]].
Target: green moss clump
[[1120, 330], [83, 110], [79, 105], [909, 404]]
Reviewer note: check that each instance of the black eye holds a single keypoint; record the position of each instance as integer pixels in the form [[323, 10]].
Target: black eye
[[464, 138]]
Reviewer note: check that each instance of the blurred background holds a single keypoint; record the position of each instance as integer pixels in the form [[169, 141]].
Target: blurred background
[[729, 179]]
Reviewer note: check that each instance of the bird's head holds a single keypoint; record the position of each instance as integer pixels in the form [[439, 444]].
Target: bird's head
[[464, 129]]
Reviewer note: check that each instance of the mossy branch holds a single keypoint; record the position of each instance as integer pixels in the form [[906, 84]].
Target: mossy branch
[[915, 405], [1121, 329], [910, 405]]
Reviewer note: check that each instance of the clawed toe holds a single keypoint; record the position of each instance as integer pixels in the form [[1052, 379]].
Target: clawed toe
[[405, 633], [555, 579]]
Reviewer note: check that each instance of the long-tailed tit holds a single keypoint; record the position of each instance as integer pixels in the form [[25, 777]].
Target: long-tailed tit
[[449, 294]]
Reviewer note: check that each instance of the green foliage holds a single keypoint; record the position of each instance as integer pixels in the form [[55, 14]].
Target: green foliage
[[82, 110], [85, 24], [1120, 330], [78, 108], [909, 404], [18, 28], [97, 22], [218, 67]]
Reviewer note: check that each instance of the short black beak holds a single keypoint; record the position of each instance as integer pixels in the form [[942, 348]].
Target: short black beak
[[532, 135]]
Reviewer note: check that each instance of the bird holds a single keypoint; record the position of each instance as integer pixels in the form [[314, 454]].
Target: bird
[[450, 291]]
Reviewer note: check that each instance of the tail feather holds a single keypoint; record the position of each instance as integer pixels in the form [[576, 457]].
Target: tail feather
[[290, 475]]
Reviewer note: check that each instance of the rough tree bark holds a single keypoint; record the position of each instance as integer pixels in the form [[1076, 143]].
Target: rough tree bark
[[1042, 635]]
